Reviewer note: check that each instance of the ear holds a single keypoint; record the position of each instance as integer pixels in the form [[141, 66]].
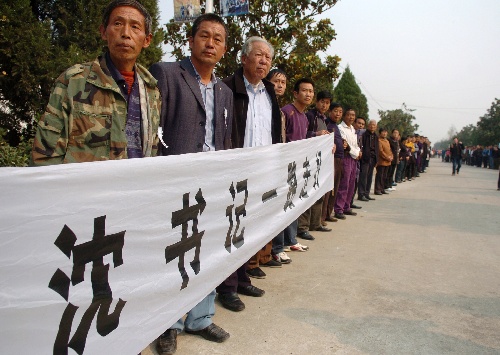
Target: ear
[[191, 42], [147, 41], [102, 30]]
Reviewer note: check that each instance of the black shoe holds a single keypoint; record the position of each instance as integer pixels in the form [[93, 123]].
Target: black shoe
[[271, 263], [256, 273], [370, 198], [323, 229], [350, 213], [356, 207], [212, 332], [331, 219], [231, 301], [363, 198], [167, 342], [339, 216], [251, 290], [305, 235], [378, 193], [385, 192]]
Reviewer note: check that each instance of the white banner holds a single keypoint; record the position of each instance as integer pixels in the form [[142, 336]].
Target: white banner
[[91, 253]]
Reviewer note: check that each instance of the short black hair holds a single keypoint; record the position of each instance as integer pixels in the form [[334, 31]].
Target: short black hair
[[275, 71], [148, 21], [296, 87], [334, 105], [382, 129], [210, 17], [347, 109], [324, 95]]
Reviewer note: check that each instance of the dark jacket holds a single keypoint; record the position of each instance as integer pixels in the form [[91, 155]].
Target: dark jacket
[[237, 85], [183, 115], [456, 150], [367, 153], [313, 116], [394, 148]]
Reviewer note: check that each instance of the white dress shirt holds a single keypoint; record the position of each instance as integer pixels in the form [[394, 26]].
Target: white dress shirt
[[349, 134]]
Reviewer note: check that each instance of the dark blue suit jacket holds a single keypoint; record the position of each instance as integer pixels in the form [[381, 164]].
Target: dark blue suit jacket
[[183, 116]]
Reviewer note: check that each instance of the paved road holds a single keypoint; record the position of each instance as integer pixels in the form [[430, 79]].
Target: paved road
[[416, 272]]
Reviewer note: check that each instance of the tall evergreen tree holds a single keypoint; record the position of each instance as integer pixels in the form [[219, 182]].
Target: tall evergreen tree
[[39, 39], [349, 94]]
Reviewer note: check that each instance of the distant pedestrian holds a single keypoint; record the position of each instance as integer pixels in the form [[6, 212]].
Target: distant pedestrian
[[456, 149]]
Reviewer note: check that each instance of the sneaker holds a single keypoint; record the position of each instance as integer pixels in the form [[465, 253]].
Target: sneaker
[[298, 247], [287, 248], [256, 273], [272, 263], [282, 257]]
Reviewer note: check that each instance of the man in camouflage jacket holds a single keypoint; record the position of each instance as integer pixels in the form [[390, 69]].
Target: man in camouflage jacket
[[87, 116]]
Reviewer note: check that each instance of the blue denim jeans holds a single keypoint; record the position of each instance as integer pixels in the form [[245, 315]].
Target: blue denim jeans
[[457, 164], [200, 316], [278, 243], [291, 233]]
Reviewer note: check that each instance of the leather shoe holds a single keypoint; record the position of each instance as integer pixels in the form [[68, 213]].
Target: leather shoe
[[370, 198], [167, 342], [357, 207], [212, 333], [350, 213], [331, 219], [363, 198], [231, 301], [323, 229], [251, 290], [378, 193], [305, 235], [339, 216]]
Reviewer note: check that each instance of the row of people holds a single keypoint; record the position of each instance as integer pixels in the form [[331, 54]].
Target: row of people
[[113, 108]]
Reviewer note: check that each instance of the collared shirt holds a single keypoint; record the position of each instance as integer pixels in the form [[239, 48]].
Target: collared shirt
[[296, 123], [349, 134], [259, 116], [207, 93]]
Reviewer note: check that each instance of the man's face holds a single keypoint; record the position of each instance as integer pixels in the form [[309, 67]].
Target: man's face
[[383, 134], [336, 114], [349, 117], [372, 126], [323, 105], [395, 134], [126, 36], [359, 123], [257, 63], [305, 94], [208, 44], [279, 81], [455, 140]]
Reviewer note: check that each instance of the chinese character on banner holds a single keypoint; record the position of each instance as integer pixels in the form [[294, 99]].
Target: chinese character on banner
[[234, 7], [186, 10]]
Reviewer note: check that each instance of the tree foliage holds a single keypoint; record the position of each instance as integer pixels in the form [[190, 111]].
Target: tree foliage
[[485, 132], [400, 119], [488, 127], [290, 26], [39, 39], [349, 94]]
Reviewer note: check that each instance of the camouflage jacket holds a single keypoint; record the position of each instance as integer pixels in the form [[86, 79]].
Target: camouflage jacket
[[86, 115]]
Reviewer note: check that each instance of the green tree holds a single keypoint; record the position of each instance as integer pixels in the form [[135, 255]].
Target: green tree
[[488, 126], [349, 94], [400, 119], [39, 39], [468, 135], [290, 26]]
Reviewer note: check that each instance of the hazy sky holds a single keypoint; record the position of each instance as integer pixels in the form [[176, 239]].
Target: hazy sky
[[440, 57]]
